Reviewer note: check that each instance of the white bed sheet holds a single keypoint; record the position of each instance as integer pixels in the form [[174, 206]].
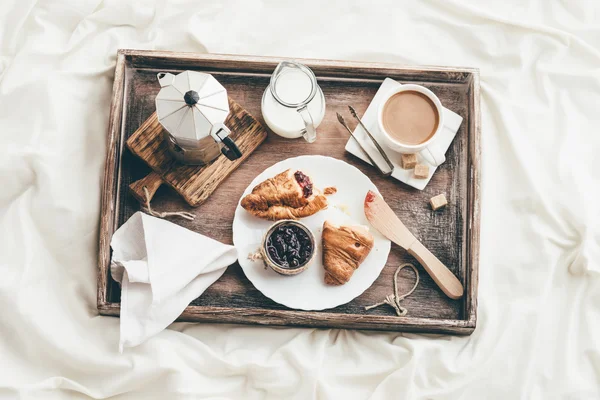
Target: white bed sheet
[[538, 334]]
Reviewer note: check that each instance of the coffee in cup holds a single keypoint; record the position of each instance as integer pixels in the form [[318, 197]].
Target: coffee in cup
[[410, 117]]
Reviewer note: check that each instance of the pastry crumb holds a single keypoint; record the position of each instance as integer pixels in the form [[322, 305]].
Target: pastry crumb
[[330, 190], [343, 208], [255, 256]]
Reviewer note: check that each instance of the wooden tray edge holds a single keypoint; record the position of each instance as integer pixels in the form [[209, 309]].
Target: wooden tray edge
[[474, 201], [141, 58], [307, 319], [109, 185]]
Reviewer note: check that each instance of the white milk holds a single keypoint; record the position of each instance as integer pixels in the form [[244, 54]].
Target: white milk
[[292, 86]]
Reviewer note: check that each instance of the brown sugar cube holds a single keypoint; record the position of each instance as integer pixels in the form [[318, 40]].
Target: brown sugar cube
[[421, 171], [438, 201], [408, 161]]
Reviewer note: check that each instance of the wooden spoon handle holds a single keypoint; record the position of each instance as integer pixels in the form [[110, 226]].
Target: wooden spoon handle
[[442, 276], [152, 182]]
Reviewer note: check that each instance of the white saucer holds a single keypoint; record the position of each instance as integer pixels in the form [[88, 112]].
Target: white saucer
[[452, 122], [307, 290]]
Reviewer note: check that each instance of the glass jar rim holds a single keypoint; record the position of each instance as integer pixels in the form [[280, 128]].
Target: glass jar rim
[[304, 69]]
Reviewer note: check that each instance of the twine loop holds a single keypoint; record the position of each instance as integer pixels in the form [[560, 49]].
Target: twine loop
[[149, 210], [395, 299]]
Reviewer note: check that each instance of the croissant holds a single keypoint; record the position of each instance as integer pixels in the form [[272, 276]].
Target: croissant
[[288, 195], [344, 249]]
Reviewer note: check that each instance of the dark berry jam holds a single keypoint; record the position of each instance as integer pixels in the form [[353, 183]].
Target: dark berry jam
[[304, 182], [289, 246]]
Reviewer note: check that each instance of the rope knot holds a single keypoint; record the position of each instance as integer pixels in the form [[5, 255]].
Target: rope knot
[[149, 210], [394, 299]]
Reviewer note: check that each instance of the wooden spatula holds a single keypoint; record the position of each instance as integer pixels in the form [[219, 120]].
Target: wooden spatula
[[381, 216]]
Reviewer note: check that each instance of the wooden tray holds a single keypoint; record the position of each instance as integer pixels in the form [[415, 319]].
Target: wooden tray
[[452, 235]]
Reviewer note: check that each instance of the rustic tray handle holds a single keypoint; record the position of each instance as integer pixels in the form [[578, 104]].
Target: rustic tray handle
[[152, 182]]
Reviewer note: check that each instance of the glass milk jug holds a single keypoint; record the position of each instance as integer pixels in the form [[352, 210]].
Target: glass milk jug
[[293, 104]]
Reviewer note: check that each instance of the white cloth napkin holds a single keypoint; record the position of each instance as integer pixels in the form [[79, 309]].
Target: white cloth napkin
[[161, 267], [452, 122]]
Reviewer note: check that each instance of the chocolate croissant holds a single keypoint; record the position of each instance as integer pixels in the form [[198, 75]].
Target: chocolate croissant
[[344, 249], [288, 195]]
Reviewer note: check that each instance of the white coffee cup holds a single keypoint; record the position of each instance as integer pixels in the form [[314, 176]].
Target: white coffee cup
[[430, 150]]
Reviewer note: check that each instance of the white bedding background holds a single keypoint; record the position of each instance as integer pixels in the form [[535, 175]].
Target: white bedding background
[[538, 334]]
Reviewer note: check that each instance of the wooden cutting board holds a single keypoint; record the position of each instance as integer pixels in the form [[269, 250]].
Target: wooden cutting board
[[193, 183]]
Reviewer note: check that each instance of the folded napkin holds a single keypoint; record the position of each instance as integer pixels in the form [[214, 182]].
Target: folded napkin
[[161, 267], [452, 122]]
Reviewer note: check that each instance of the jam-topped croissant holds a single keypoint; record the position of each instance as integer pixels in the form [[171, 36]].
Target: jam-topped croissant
[[288, 195], [344, 249]]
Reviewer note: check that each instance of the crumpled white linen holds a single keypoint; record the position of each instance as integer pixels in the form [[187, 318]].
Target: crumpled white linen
[[538, 334]]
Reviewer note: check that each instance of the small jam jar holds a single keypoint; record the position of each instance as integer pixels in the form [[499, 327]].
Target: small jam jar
[[288, 247]]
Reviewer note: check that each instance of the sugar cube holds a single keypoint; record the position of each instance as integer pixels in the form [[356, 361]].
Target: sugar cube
[[408, 161], [438, 201], [421, 171]]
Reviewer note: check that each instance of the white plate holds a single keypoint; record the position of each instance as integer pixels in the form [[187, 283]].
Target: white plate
[[307, 290]]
